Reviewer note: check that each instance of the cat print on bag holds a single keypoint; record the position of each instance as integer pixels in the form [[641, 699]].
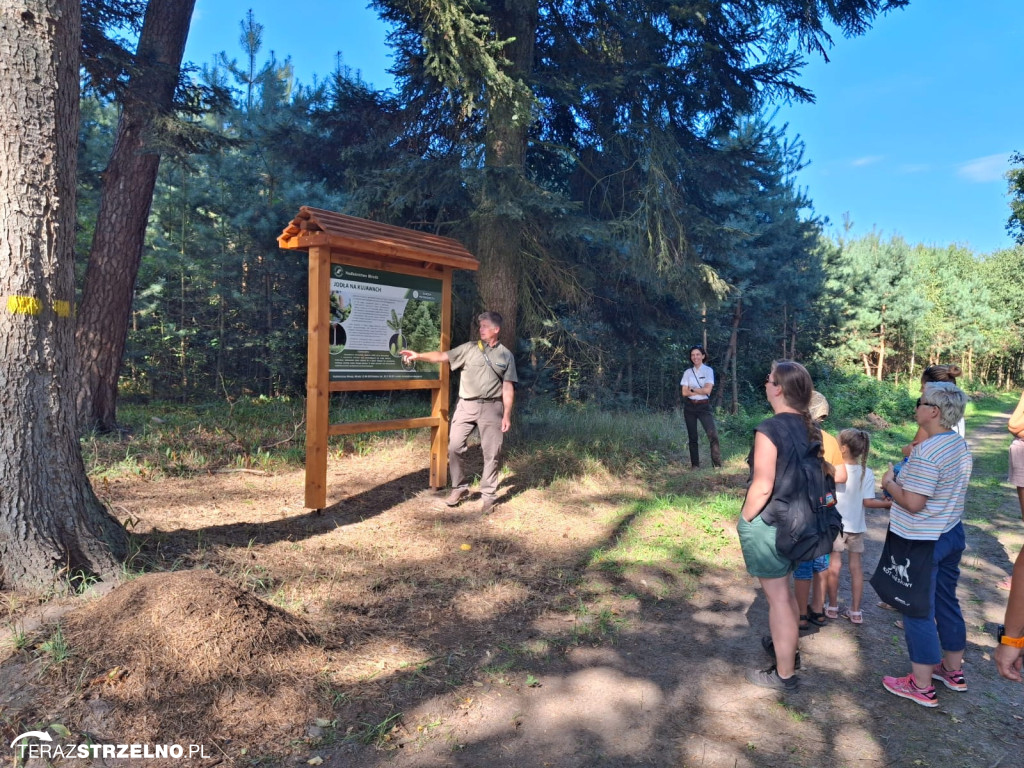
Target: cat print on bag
[[899, 573]]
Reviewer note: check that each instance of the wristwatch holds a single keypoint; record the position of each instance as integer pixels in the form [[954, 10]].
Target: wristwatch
[[1015, 642]]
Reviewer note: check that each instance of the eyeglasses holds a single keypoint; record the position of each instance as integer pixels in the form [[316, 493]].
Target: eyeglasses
[[768, 380], [921, 402]]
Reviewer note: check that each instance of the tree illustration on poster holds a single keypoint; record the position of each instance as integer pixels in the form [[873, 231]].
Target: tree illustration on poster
[[374, 289]]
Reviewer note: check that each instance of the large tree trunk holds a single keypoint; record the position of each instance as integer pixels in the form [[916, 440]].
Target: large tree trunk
[[52, 526], [124, 211], [734, 338], [500, 242], [729, 361]]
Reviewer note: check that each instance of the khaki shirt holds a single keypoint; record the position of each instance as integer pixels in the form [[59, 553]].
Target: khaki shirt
[[478, 381]]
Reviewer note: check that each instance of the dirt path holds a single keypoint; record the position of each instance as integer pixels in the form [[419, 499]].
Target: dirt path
[[465, 641], [670, 692]]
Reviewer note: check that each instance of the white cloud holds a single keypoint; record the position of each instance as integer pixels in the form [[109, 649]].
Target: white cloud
[[867, 160], [981, 170]]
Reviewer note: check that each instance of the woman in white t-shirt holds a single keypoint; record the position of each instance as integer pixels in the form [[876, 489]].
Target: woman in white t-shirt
[[852, 497], [696, 386]]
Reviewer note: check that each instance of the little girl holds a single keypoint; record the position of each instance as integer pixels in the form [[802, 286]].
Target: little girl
[[852, 497]]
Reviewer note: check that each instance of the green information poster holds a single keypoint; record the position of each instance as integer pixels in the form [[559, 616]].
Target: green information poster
[[375, 315]]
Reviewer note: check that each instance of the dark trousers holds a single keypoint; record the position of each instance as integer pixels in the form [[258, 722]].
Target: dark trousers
[[701, 411], [943, 629]]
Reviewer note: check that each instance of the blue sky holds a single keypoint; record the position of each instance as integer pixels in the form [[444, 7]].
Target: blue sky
[[910, 133]]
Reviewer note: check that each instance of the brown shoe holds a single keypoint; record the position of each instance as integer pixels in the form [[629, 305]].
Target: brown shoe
[[487, 505], [455, 496]]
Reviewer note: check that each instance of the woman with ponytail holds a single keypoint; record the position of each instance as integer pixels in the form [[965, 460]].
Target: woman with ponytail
[[788, 389]]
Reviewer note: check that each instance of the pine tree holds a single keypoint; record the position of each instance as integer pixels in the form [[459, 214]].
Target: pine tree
[[128, 182], [52, 527]]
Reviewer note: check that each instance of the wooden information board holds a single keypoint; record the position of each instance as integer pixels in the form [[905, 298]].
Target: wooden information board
[[373, 289]]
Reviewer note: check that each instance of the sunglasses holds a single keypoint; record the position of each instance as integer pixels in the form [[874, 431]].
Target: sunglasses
[[768, 380], [921, 402]]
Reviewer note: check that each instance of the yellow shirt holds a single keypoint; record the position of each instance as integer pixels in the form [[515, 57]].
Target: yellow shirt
[[831, 447]]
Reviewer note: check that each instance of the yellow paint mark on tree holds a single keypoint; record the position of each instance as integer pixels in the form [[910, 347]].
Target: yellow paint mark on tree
[[29, 305], [24, 305]]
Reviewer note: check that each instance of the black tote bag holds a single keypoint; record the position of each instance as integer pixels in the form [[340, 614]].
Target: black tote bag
[[903, 577]]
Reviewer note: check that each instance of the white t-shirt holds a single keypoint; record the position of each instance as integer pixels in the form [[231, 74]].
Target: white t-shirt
[[696, 378], [859, 485]]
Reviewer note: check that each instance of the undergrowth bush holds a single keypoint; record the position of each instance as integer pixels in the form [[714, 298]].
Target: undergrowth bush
[[854, 396], [617, 440], [268, 433]]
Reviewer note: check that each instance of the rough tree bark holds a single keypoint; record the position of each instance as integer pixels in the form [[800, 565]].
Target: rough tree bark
[[52, 526], [500, 239], [124, 211], [729, 363]]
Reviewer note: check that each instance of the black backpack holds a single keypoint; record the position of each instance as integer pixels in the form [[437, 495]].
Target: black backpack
[[806, 519]]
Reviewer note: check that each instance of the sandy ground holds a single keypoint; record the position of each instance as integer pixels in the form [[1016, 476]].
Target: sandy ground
[[417, 635]]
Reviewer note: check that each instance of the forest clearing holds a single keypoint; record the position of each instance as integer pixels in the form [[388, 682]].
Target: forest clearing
[[606, 194], [601, 616]]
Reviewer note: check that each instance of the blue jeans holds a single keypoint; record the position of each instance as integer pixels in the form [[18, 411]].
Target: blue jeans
[[943, 628], [806, 570]]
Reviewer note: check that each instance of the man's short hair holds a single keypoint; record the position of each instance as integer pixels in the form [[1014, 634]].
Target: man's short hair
[[491, 317]]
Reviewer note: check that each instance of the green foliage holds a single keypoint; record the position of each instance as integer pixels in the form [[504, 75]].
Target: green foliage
[[55, 649], [263, 433], [853, 397], [1015, 179], [655, 208], [564, 439], [899, 308]]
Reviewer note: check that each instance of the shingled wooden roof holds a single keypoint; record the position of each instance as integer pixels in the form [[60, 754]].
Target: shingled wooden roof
[[316, 227]]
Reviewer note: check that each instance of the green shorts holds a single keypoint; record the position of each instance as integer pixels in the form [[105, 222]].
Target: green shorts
[[757, 540]]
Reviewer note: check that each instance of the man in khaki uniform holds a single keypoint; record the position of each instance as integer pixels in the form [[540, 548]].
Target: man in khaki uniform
[[486, 392]]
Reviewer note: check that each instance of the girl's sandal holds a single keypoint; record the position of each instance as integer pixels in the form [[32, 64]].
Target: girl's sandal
[[857, 617], [832, 611]]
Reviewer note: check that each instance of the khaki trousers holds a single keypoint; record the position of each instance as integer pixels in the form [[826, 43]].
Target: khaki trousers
[[486, 415]]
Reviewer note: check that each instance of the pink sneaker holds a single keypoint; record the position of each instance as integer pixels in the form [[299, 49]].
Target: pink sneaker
[[907, 688], [954, 679]]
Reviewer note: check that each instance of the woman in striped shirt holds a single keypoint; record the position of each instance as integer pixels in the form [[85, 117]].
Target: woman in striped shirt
[[928, 503]]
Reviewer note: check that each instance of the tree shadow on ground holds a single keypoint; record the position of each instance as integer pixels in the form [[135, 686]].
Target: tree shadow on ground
[[527, 654]]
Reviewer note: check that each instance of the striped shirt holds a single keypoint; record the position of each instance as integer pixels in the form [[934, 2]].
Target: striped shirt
[[938, 468]]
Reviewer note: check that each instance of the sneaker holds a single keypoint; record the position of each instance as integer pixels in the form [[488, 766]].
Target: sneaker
[[769, 647], [907, 688], [954, 679], [769, 678], [455, 496]]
